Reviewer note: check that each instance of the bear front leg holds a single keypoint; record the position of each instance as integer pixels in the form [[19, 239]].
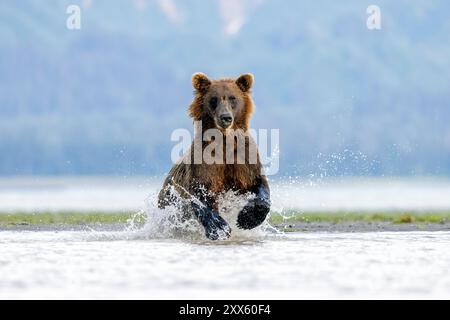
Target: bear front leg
[[255, 211], [216, 228]]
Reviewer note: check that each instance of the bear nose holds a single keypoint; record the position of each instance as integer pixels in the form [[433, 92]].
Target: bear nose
[[226, 118]]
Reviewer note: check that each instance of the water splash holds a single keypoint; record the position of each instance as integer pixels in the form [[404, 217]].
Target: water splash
[[172, 222], [291, 193]]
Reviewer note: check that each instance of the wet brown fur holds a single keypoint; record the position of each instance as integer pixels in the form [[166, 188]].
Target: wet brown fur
[[215, 178]]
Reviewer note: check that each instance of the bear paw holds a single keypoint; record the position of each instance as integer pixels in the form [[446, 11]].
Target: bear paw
[[216, 228], [253, 214]]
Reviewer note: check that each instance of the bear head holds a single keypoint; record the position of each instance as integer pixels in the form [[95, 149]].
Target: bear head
[[222, 103]]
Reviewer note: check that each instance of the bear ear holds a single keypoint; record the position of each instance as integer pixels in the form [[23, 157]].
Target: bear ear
[[245, 82], [200, 82]]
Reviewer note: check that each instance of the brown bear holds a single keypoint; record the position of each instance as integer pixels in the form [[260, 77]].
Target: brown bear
[[224, 105]]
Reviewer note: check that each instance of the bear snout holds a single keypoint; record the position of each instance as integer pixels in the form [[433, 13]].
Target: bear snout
[[225, 120]]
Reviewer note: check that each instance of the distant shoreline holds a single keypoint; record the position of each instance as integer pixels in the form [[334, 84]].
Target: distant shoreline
[[294, 222]]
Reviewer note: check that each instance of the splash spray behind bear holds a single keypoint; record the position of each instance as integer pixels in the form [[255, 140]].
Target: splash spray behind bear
[[223, 158]]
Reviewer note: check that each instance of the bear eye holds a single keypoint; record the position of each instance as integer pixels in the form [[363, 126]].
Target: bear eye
[[232, 98], [213, 102]]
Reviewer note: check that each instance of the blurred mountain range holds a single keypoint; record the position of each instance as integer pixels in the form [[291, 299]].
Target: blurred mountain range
[[104, 99]]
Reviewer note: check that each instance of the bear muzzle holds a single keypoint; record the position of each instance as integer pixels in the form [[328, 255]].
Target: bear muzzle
[[225, 121]]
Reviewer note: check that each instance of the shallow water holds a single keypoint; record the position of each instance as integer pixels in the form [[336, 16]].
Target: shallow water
[[74, 264], [158, 261]]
